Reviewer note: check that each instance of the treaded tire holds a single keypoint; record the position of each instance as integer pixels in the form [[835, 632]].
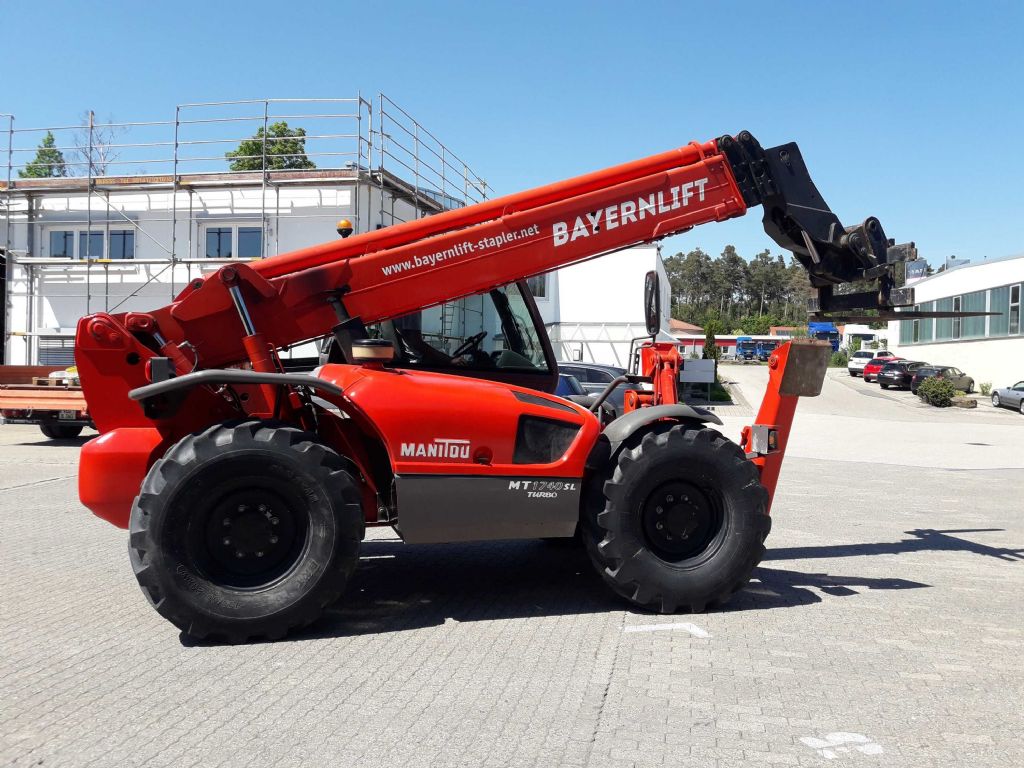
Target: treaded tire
[[60, 431], [622, 549], [312, 512]]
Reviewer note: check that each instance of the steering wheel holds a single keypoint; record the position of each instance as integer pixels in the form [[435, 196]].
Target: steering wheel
[[469, 344]]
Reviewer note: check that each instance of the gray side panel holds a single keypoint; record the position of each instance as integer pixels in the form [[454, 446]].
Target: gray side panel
[[435, 509]]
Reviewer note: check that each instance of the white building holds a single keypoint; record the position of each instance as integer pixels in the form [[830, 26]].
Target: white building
[[594, 310], [989, 349], [98, 239]]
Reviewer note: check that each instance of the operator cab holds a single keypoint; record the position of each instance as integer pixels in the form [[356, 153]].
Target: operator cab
[[498, 335]]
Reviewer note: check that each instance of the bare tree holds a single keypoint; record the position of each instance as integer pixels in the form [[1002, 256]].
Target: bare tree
[[94, 145]]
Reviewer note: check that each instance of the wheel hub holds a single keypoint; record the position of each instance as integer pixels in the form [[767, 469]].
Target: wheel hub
[[250, 536], [679, 521]]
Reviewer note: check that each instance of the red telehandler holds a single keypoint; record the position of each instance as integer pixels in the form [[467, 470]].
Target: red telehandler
[[246, 498]]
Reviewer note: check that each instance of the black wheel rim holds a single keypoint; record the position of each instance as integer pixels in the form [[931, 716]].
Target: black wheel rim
[[247, 530], [681, 521]]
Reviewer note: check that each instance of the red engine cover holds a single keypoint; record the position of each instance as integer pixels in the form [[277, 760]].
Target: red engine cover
[[435, 423]]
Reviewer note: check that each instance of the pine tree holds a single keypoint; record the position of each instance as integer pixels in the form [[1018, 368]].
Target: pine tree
[[48, 162]]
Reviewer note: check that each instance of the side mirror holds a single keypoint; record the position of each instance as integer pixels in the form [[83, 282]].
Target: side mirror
[[377, 351], [652, 302]]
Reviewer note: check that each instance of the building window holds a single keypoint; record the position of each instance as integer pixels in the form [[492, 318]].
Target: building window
[[974, 327], [956, 320], [944, 325], [906, 331], [538, 286], [218, 242], [250, 242], [62, 244], [90, 245], [122, 244], [1014, 310], [999, 301], [57, 351], [927, 323]]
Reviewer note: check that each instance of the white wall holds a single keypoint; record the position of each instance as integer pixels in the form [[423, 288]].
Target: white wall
[[998, 360], [593, 309]]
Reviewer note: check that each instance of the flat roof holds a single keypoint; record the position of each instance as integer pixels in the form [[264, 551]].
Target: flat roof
[[970, 265]]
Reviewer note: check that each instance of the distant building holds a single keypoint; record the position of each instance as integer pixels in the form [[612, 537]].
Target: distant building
[[988, 348]]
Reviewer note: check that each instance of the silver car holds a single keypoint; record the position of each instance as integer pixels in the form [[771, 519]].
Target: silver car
[[1010, 397]]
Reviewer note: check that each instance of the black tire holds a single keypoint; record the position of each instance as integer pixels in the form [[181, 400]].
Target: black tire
[[853, 373], [1021, 408], [996, 402], [883, 386], [244, 531], [715, 511], [970, 387], [60, 431]]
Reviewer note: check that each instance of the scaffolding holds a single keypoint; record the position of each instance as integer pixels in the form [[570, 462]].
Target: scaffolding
[[156, 179]]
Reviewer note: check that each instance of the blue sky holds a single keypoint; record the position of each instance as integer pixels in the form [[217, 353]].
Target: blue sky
[[909, 111]]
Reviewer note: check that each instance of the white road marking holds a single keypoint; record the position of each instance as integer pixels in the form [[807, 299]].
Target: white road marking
[[834, 744], [686, 626]]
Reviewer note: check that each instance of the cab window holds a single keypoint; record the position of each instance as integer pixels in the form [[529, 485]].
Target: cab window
[[490, 331]]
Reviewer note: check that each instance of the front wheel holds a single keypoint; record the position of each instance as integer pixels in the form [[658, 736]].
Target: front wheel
[[995, 401], [970, 387], [683, 521], [244, 531]]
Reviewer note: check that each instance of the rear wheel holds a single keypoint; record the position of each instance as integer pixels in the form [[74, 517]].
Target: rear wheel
[[883, 386], [683, 521], [60, 431], [245, 531]]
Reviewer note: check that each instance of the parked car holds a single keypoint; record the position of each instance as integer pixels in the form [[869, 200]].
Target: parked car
[[862, 357], [1010, 397], [959, 379], [898, 373], [595, 377], [569, 385], [874, 367]]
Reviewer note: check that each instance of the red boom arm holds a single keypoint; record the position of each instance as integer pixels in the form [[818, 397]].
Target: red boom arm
[[298, 296]]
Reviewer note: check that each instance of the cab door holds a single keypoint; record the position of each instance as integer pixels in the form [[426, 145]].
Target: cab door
[[498, 336]]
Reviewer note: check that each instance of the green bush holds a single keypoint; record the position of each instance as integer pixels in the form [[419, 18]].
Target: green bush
[[937, 392], [838, 360], [986, 388]]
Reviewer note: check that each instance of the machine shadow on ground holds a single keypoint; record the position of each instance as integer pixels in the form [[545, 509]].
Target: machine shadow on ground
[[922, 540], [47, 442], [399, 587]]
